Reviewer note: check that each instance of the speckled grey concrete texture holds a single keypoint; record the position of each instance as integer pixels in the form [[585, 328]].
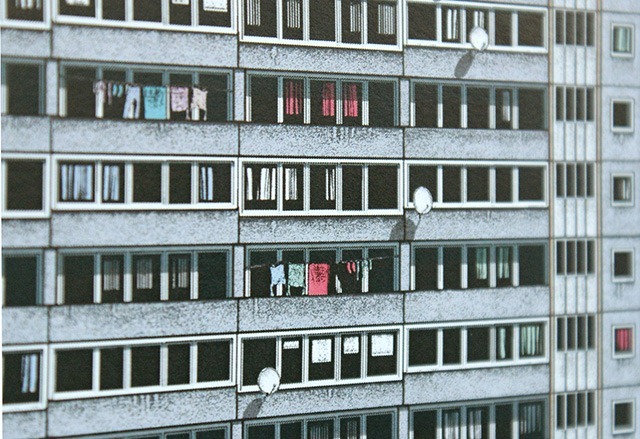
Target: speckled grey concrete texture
[[136, 412], [575, 370], [453, 305], [575, 64], [24, 425], [467, 385], [25, 233], [131, 45], [135, 320], [623, 220], [317, 59], [22, 325], [620, 371], [25, 43], [317, 141], [25, 134], [438, 143], [317, 229], [144, 228], [485, 66], [144, 137], [480, 224], [620, 146], [331, 399], [264, 314], [619, 394]]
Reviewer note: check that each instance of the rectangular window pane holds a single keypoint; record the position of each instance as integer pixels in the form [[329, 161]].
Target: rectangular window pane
[[214, 361], [180, 13], [23, 88], [451, 346], [531, 104], [78, 279], [320, 429], [560, 180], [580, 104], [147, 187], [145, 366], [147, 10], [20, 377], [383, 187], [294, 187], [351, 357], [382, 359], [422, 21], [504, 421], [530, 29], [180, 183], [532, 265], [504, 108], [20, 275], [561, 257], [571, 333], [214, 183], [24, 11], [571, 257], [382, 272], [478, 267], [531, 184], [477, 183], [291, 360], [423, 347], [180, 276], [591, 28], [264, 97], [74, 370], [531, 341], [380, 426], [450, 24], [503, 28], [352, 21], [504, 188], [477, 107], [79, 88], [571, 27], [256, 355], [260, 18], [79, 9], [560, 103], [321, 358], [571, 103], [24, 190], [559, 27], [113, 183], [323, 187], [580, 28], [352, 103], [504, 343], [352, 187], [179, 364], [76, 182], [293, 90], [113, 10], [504, 264], [478, 344], [581, 257], [426, 176], [451, 106], [425, 424], [260, 273], [571, 410], [323, 102], [111, 368], [381, 22], [322, 19], [451, 184], [426, 269], [452, 266], [146, 278], [214, 13], [212, 275], [426, 105], [381, 104], [261, 431], [591, 332], [112, 278], [560, 412]]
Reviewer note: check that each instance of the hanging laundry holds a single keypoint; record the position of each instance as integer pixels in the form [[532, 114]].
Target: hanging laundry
[[329, 99], [180, 100], [199, 103], [100, 90], [318, 279], [132, 102], [278, 278], [295, 277], [155, 102], [348, 281], [215, 5]]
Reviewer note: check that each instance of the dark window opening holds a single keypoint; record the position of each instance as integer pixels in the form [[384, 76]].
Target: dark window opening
[[180, 183], [571, 27], [532, 109], [382, 22], [426, 176], [24, 11], [382, 359], [581, 111], [451, 184], [352, 103], [79, 87], [78, 279], [504, 421], [560, 334], [560, 103], [352, 21], [112, 278], [381, 104], [321, 358], [264, 99], [426, 269], [451, 106], [323, 187], [146, 278], [532, 265], [571, 103], [478, 267], [560, 180], [292, 360], [214, 183], [23, 87], [504, 186], [352, 187], [111, 368], [293, 90], [217, 87], [571, 410], [623, 264], [256, 355], [422, 21], [503, 34], [80, 9], [323, 102], [113, 10], [147, 10], [531, 184], [622, 115], [504, 109], [504, 343], [504, 263], [214, 361], [423, 347], [145, 366], [24, 185], [580, 28], [179, 13], [212, 275], [571, 333], [591, 28], [178, 363], [381, 276], [477, 184], [452, 261], [20, 280], [560, 257], [261, 431], [383, 187], [559, 27], [20, 377], [260, 274], [478, 344], [74, 370], [477, 107], [322, 20], [380, 426], [425, 424], [213, 16], [260, 18], [180, 276], [571, 257], [147, 178], [426, 104], [351, 357], [451, 346]]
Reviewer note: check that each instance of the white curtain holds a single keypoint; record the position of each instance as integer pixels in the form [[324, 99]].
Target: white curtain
[[474, 423], [530, 341], [320, 430], [478, 19], [206, 183], [530, 419], [330, 184], [482, 263], [253, 13], [293, 13], [386, 19], [501, 342], [506, 106], [76, 182], [622, 39], [215, 5], [29, 373], [180, 272], [144, 273], [111, 183], [451, 424], [111, 274], [622, 189], [290, 184], [353, 428], [503, 264], [452, 24], [355, 16]]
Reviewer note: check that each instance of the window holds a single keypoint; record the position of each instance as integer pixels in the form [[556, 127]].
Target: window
[[532, 259], [575, 28], [478, 344], [575, 333], [21, 377], [21, 278], [575, 257], [622, 37], [531, 420], [76, 182], [623, 416], [575, 180], [81, 273], [622, 115], [331, 101], [102, 368], [24, 183], [379, 18], [622, 190], [623, 342], [23, 88], [107, 92], [531, 29], [330, 357], [174, 13], [532, 341], [531, 104], [575, 104], [25, 11], [623, 266]]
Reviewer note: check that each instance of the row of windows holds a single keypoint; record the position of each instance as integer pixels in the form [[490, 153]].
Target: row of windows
[[575, 257], [575, 410], [575, 333]]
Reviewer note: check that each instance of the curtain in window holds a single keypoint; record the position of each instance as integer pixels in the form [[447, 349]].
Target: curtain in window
[[290, 184], [111, 273], [503, 265], [179, 272], [386, 19], [293, 91], [206, 183], [29, 373], [352, 428], [111, 183], [215, 5], [329, 99], [76, 182], [320, 430], [501, 341], [321, 350], [506, 106], [381, 345], [482, 263], [253, 12], [28, 4], [350, 99], [478, 19], [267, 190], [452, 24], [530, 419], [293, 13], [622, 188], [330, 184], [623, 340], [530, 341], [622, 39], [355, 16], [451, 424], [144, 274], [474, 424]]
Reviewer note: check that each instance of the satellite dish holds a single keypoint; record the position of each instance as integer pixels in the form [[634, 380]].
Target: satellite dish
[[479, 38], [422, 200], [268, 381]]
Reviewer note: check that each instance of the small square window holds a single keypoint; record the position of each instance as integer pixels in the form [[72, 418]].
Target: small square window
[[623, 417], [622, 190], [622, 115], [622, 40], [623, 342], [622, 266]]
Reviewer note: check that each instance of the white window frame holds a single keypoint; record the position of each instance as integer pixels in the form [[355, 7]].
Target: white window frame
[[127, 270], [127, 389], [631, 29], [490, 8], [631, 179], [45, 24], [625, 129], [624, 430], [464, 364], [128, 22], [42, 350], [46, 204], [336, 334], [623, 355], [41, 81], [39, 273], [491, 167], [307, 41], [338, 249], [129, 160], [625, 279], [306, 193]]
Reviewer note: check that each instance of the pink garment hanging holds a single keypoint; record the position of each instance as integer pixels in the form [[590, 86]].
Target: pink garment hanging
[[350, 100], [179, 99], [318, 283], [292, 97], [329, 99]]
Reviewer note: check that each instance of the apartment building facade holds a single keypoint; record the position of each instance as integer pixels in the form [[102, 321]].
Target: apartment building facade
[[196, 190]]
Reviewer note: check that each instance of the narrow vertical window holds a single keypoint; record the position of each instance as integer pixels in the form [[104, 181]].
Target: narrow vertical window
[[426, 105], [24, 185], [20, 377], [322, 19], [23, 85]]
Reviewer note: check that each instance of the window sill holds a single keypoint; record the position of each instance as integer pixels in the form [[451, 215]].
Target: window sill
[[8, 23], [24, 407], [85, 394], [319, 44]]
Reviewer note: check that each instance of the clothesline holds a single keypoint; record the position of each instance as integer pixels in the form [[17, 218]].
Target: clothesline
[[377, 258], [135, 84]]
